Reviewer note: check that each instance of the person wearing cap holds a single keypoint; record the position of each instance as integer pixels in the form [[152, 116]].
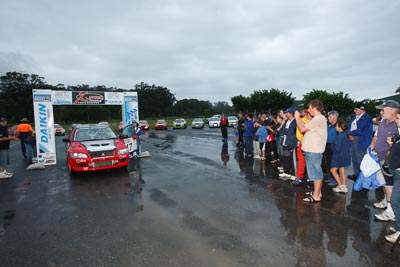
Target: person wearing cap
[[394, 168], [333, 117], [360, 135], [288, 143], [136, 132], [314, 142], [24, 129], [4, 149], [386, 129]]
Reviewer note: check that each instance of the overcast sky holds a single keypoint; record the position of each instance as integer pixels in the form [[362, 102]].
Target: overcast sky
[[210, 49]]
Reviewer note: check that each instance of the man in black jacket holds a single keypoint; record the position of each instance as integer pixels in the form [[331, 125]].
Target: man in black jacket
[[4, 149]]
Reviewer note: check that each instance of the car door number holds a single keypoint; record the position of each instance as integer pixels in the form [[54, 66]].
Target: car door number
[[131, 144]]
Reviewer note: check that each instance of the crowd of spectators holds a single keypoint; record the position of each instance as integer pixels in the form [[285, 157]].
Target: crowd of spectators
[[311, 146]]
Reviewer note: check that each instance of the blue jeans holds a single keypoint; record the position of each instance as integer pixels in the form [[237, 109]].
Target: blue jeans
[[395, 200], [248, 144], [30, 152]]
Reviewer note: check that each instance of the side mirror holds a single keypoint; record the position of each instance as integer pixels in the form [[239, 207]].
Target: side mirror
[[66, 140]]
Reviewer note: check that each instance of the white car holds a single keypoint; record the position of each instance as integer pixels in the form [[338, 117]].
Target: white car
[[58, 129], [232, 121], [214, 122], [197, 123]]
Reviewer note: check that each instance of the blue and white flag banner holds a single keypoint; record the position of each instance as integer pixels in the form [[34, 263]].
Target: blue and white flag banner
[[44, 126]]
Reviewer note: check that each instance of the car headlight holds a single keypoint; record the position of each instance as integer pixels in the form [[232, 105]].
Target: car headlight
[[76, 155], [123, 151]]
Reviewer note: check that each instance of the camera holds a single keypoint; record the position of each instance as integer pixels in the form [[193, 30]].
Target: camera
[[395, 138]]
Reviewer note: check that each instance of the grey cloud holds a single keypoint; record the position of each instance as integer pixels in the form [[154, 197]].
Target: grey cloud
[[211, 50]]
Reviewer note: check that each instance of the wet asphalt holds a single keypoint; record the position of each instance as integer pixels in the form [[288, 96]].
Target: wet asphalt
[[194, 202]]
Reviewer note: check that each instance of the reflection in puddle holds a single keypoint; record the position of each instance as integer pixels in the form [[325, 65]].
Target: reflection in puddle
[[137, 182], [162, 136]]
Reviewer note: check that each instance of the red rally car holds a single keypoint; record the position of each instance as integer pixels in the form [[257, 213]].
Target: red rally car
[[95, 147]]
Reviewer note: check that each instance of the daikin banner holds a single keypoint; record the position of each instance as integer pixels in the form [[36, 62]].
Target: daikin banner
[[44, 126]]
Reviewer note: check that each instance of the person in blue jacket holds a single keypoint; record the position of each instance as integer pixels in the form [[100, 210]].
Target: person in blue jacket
[[248, 135], [360, 135], [340, 157]]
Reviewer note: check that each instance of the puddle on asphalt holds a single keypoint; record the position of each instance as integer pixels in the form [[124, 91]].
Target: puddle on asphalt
[[136, 184]]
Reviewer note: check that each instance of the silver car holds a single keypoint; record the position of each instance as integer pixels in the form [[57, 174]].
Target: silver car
[[232, 121], [197, 123]]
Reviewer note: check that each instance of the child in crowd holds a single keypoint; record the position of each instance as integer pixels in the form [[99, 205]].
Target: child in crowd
[[340, 157], [262, 133], [236, 132], [256, 144]]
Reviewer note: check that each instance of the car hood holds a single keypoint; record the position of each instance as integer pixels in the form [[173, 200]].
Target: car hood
[[99, 145]]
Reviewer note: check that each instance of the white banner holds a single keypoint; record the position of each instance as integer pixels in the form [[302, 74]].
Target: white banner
[[44, 126]]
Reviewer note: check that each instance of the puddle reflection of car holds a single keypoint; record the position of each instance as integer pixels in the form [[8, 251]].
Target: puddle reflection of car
[[179, 124], [161, 125], [92, 147], [232, 121], [144, 125], [214, 122], [197, 123], [58, 129]]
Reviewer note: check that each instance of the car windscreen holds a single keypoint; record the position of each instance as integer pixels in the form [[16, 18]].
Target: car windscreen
[[86, 134]]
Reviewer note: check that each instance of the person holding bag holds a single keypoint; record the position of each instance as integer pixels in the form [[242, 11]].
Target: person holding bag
[[393, 164]]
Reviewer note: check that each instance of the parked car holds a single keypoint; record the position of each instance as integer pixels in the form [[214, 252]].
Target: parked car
[[232, 121], [58, 129], [213, 116], [120, 126], [92, 147], [144, 125], [161, 125], [197, 123], [214, 122], [179, 124]]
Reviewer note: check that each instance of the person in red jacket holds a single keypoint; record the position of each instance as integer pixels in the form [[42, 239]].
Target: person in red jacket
[[224, 128]]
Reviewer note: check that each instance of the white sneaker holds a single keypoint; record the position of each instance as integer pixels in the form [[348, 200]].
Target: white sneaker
[[6, 175], [284, 176], [393, 237], [292, 177], [340, 189], [386, 216], [381, 204], [256, 157], [336, 189]]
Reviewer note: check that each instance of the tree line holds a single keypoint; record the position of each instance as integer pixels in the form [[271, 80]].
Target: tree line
[[158, 101]]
